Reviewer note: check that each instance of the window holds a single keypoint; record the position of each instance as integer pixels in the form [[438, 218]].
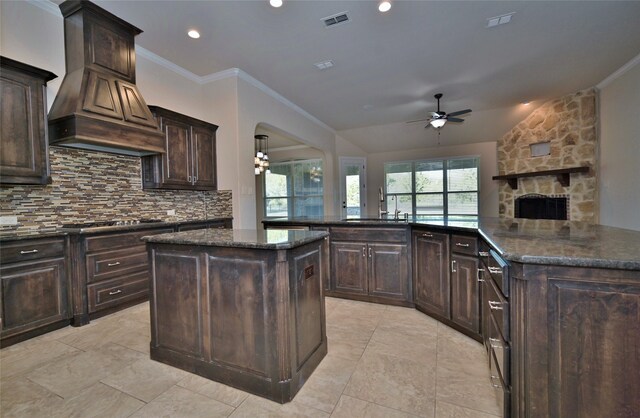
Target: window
[[433, 187], [294, 188]]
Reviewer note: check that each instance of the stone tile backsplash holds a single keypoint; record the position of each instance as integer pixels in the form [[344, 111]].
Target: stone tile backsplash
[[95, 186], [569, 125]]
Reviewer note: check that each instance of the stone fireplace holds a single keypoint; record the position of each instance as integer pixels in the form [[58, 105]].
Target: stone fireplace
[[568, 125]]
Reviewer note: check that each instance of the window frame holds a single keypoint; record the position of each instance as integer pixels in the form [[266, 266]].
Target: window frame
[[291, 187], [445, 192]]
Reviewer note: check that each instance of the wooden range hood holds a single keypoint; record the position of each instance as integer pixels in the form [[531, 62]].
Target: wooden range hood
[[98, 106]]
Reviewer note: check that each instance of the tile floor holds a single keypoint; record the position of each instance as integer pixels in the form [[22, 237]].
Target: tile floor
[[383, 362]]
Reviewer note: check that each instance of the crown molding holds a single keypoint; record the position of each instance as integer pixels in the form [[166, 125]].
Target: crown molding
[[288, 148], [46, 5], [619, 72], [157, 59]]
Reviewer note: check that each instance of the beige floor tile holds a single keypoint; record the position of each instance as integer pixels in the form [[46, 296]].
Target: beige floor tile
[[394, 382], [320, 393], [28, 355], [81, 370], [349, 350], [214, 390], [98, 401], [256, 407], [447, 410], [145, 379], [349, 407], [20, 397], [336, 369], [182, 403]]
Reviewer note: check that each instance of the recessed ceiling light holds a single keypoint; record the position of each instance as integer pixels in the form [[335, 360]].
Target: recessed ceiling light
[[527, 103], [384, 6], [275, 3], [193, 34]]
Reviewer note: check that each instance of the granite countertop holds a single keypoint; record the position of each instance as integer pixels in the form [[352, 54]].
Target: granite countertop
[[275, 239], [534, 241], [25, 233]]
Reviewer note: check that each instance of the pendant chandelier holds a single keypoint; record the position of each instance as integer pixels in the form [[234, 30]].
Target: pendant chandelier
[[261, 159]]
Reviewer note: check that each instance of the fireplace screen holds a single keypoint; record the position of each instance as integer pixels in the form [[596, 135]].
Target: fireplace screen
[[535, 206]]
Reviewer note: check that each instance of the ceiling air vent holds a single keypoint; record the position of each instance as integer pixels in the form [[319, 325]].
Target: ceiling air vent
[[336, 19]]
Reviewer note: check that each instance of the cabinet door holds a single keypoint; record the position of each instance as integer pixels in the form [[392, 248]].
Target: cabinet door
[[33, 294], [464, 292], [388, 270], [177, 160], [204, 157], [22, 130], [431, 272], [349, 267]]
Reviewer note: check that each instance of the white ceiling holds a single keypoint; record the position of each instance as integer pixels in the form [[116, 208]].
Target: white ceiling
[[387, 67]]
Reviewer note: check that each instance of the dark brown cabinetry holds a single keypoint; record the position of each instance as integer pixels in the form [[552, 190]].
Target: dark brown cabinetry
[[445, 278], [190, 158], [24, 155], [204, 225], [34, 291], [370, 264]]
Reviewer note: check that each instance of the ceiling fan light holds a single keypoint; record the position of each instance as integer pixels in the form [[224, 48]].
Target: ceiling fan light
[[275, 3], [438, 123]]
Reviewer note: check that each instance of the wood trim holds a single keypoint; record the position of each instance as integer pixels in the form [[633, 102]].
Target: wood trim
[[562, 174]]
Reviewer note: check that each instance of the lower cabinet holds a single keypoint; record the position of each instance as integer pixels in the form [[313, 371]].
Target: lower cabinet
[[34, 291], [204, 225], [445, 271], [370, 270]]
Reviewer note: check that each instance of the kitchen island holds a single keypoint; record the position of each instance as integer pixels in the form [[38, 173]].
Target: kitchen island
[[241, 307]]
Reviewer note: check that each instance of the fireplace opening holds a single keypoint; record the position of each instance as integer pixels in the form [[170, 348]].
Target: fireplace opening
[[536, 206]]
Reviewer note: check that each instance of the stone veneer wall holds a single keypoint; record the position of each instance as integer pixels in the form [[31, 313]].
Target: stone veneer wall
[[569, 124], [94, 186]]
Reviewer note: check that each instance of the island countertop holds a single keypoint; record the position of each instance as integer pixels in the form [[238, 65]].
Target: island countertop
[[533, 241], [273, 239]]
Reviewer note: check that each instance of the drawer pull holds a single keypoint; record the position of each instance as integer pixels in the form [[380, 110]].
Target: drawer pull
[[459, 244], [483, 254], [364, 251], [495, 343], [498, 385], [369, 252], [495, 270], [117, 263], [427, 235], [29, 252], [453, 266], [115, 292], [480, 279], [496, 306]]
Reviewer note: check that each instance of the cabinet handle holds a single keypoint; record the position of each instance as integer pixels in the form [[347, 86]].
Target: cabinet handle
[[364, 251], [497, 386], [115, 292], [483, 254], [427, 235], [189, 179], [459, 244], [369, 252], [117, 263], [480, 279], [495, 270], [495, 306], [453, 266], [29, 252]]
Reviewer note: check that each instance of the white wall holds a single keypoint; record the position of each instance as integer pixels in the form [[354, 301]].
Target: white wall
[[620, 150], [487, 152]]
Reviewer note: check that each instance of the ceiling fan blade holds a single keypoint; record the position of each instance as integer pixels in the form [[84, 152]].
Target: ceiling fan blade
[[417, 120], [459, 112], [455, 119]]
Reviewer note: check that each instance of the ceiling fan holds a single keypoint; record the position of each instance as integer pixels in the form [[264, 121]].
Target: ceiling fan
[[439, 118]]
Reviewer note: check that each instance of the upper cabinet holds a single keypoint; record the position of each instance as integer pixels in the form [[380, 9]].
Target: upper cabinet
[[189, 161], [23, 132]]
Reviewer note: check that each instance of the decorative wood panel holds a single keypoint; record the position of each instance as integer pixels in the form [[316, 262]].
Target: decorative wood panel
[[431, 272], [177, 288], [388, 270], [204, 157], [134, 108], [594, 349], [349, 266], [101, 96], [464, 292]]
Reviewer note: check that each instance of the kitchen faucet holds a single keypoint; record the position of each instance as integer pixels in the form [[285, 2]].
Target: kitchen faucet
[[380, 200], [397, 211]]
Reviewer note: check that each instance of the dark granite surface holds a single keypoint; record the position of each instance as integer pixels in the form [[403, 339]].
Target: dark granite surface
[[276, 239], [17, 234], [531, 241]]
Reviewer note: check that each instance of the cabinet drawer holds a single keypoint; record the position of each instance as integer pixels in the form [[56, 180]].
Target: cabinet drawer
[[502, 389], [16, 251], [114, 241], [499, 272], [499, 309], [111, 264], [464, 244], [500, 349], [111, 293], [369, 234]]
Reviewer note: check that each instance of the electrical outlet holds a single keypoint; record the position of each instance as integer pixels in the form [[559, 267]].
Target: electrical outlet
[[8, 220], [171, 212]]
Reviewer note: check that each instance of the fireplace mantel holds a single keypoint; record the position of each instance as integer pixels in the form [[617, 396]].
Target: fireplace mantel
[[563, 175]]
